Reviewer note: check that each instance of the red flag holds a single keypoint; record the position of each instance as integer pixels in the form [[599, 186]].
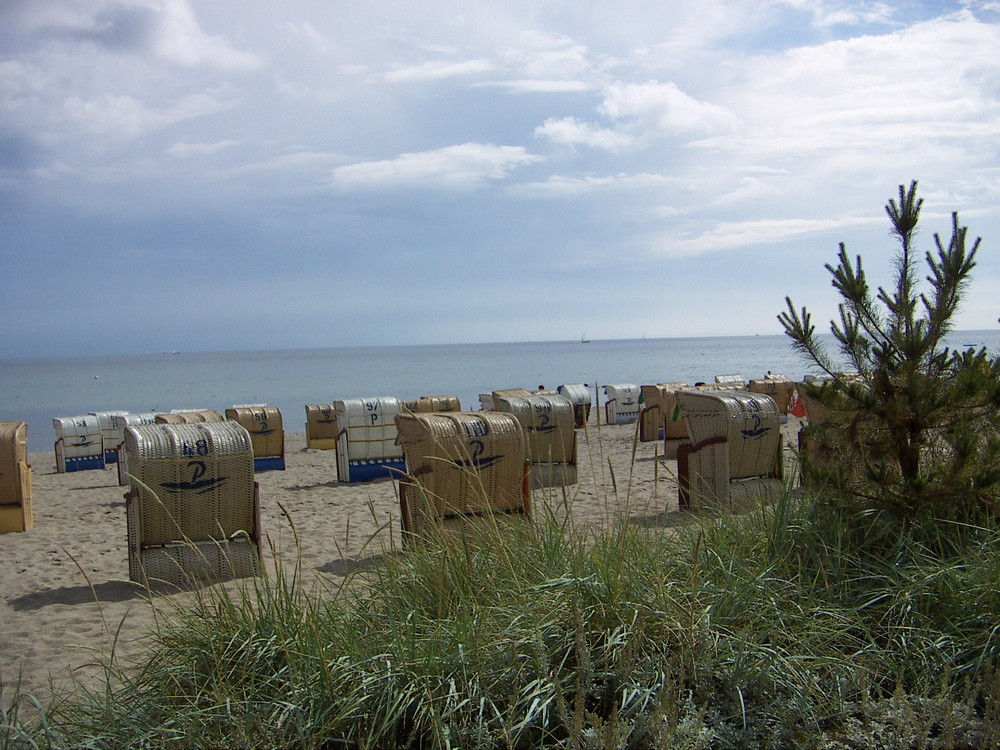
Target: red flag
[[799, 410]]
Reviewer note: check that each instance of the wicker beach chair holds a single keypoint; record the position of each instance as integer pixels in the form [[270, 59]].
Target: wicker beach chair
[[367, 447], [548, 422], [119, 423], [430, 404], [778, 387], [579, 396], [192, 508], [735, 449], [193, 416], [460, 467], [16, 512], [79, 443], [321, 427], [657, 404], [267, 434], [622, 406], [109, 435]]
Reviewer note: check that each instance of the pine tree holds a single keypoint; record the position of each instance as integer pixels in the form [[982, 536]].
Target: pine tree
[[915, 424]]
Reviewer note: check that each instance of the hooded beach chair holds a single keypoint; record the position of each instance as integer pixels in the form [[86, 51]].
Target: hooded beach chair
[[109, 434], [578, 395], [321, 427], [192, 509], [778, 387], [549, 424], [657, 404], [119, 423], [622, 406], [735, 449], [16, 512], [366, 444], [267, 434], [79, 443], [460, 467], [430, 404], [190, 416]]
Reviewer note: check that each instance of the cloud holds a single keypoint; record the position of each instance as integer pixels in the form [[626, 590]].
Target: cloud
[[655, 108], [200, 149], [435, 70], [463, 167], [569, 131], [739, 234], [179, 38]]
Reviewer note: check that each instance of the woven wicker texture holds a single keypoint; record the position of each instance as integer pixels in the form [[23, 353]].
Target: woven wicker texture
[[460, 464], [321, 422], [267, 434], [79, 436], [430, 404], [16, 512], [750, 427], [190, 417], [735, 379], [13, 452], [548, 422], [779, 388], [368, 428], [193, 485], [622, 406]]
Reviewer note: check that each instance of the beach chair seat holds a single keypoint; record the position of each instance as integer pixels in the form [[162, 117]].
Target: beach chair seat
[[16, 511], [192, 509], [321, 427], [734, 453], [548, 422], [267, 434], [461, 467]]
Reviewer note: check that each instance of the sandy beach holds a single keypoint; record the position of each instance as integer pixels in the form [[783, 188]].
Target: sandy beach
[[67, 601]]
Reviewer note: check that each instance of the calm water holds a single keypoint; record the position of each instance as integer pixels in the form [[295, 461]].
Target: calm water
[[36, 390]]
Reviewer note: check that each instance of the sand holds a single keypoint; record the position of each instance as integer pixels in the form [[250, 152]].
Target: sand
[[67, 601]]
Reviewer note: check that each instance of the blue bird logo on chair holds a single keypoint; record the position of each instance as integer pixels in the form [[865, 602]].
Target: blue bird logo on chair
[[478, 460], [197, 485], [756, 431]]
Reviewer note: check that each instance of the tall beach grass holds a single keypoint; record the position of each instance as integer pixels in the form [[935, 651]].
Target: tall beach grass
[[764, 629]]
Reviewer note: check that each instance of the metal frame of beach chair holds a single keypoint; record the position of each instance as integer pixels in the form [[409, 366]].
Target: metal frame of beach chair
[[16, 510], [193, 508], [735, 449], [461, 468]]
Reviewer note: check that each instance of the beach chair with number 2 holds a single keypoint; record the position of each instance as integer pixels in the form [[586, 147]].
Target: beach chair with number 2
[[735, 449], [192, 509]]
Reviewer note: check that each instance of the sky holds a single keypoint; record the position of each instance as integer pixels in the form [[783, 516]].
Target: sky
[[201, 175]]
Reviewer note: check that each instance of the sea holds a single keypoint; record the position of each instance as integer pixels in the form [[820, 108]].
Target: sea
[[36, 390]]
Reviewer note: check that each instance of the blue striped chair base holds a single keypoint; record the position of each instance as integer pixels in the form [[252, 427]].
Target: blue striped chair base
[[85, 462], [364, 471], [269, 463]]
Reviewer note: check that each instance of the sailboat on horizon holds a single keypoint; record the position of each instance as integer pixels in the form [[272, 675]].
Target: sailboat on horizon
[[583, 338]]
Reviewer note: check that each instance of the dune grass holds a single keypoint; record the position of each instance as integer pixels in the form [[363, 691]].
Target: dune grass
[[780, 627]]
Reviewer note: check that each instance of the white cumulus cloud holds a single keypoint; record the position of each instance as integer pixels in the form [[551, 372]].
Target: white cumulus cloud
[[461, 167]]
